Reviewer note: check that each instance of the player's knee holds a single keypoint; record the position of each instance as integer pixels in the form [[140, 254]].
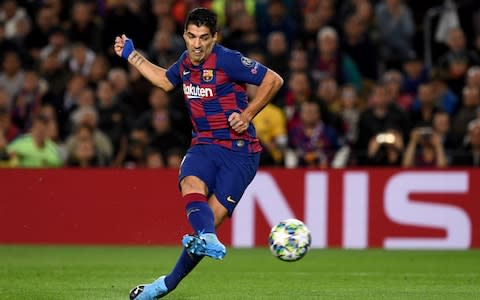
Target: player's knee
[[192, 184]]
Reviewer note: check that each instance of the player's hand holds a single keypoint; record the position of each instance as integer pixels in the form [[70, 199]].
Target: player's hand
[[123, 46], [238, 122]]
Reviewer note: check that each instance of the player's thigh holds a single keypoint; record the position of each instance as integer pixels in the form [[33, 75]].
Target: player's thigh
[[197, 168], [234, 176]]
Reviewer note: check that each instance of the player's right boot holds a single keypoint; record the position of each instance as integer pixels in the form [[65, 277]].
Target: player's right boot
[[206, 244], [152, 291]]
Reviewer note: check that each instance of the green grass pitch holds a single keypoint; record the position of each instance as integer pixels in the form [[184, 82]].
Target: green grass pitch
[[71, 272]]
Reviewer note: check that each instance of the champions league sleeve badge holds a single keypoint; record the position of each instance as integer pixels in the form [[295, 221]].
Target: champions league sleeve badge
[[247, 62]]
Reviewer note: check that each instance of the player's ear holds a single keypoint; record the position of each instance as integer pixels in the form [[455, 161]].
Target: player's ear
[[215, 37]]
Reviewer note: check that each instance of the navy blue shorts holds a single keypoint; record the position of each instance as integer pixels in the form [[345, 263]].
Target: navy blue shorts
[[226, 173]]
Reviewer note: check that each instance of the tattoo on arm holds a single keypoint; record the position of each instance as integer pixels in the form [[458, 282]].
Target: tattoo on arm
[[137, 59]]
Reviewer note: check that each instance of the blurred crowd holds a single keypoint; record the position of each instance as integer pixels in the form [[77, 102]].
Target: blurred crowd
[[358, 91]]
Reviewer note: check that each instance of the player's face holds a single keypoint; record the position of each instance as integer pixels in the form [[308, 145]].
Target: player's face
[[199, 42]]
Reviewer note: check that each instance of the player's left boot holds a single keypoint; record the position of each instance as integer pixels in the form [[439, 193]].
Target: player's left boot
[[206, 244], [152, 291]]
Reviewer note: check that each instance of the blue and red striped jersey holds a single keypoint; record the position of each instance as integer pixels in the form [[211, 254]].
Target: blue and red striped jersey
[[215, 89]]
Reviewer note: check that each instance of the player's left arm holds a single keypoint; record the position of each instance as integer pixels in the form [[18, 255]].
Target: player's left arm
[[269, 86]]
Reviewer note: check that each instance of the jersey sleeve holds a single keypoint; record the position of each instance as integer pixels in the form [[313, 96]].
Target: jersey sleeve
[[173, 73], [242, 69]]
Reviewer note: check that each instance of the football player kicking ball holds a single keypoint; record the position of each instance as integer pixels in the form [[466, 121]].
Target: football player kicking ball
[[224, 153]]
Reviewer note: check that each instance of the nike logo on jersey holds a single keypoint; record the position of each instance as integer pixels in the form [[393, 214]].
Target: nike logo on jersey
[[230, 199], [186, 72]]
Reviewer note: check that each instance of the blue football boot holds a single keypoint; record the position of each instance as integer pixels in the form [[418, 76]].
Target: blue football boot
[[206, 244], [152, 291]]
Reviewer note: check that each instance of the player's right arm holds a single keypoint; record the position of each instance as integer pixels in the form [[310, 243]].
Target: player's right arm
[[156, 75]]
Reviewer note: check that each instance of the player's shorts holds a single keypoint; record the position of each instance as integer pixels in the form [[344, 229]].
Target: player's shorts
[[226, 173]]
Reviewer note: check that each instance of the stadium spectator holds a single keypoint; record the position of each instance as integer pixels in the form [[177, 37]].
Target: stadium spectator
[[361, 9], [277, 52], [312, 140], [396, 29], [441, 126], [45, 21], [327, 93], [298, 60], [383, 115], [278, 19], [140, 89], [137, 148], [331, 61], [121, 18], [156, 11], [163, 137], [58, 46], [357, 44], [270, 125], [458, 58], [99, 70], [153, 159], [67, 101], [425, 149], [167, 23], [423, 116], [159, 100], [308, 35], [350, 112], [468, 112], [24, 27], [88, 116], [81, 59], [83, 151], [12, 75], [393, 81], [54, 73], [84, 28], [174, 158], [35, 149], [11, 14], [86, 98], [48, 111], [227, 10], [243, 34], [5, 101], [164, 48], [8, 130], [445, 98], [473, 77], [385, 149], [327, 96], [469, 154], [118, 79], [113, 120], [6, 44], [5, 159], [415, 73], [299, 91]]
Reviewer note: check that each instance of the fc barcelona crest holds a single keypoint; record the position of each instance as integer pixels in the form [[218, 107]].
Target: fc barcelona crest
[[207, 75]]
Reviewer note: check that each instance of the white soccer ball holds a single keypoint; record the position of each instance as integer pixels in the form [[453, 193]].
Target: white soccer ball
[[290, 240]]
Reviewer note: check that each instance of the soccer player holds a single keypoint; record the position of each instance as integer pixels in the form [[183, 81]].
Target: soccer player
[[224, 153]]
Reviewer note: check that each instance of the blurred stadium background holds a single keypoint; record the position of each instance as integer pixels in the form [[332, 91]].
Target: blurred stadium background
[[373, 141]]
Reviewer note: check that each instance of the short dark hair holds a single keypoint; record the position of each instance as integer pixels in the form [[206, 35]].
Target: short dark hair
[[202, 17]]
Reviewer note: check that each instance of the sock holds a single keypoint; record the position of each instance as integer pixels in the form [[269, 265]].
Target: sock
[[199, 214], [185, 263]]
